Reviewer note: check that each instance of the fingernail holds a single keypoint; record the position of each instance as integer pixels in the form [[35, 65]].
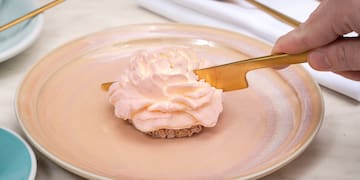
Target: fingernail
[[319, 61]]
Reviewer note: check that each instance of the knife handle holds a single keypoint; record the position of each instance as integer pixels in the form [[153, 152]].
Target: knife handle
[[274, 60]]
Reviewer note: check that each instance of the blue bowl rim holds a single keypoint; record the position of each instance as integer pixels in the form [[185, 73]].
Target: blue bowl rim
[[27, 41], [29, 150]]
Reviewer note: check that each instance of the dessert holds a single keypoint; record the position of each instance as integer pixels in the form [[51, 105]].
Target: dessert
[[160, 95]]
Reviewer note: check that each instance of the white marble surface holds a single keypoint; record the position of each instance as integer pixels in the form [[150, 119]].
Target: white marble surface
[[335, 153]]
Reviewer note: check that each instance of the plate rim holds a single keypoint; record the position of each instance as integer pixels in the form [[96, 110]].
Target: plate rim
[[92, 175], [299, 151]]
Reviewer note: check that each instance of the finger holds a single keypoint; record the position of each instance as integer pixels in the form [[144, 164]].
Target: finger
[[354, 75], [329, 21], [343, 55], [280, 67]]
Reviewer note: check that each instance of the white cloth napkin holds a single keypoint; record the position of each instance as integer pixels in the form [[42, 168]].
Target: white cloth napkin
[[242, 17]]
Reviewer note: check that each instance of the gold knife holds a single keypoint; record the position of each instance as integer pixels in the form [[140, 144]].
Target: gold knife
[[232, 76]]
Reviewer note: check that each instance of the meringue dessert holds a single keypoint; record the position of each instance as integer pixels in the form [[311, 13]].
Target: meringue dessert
[[160, 95]]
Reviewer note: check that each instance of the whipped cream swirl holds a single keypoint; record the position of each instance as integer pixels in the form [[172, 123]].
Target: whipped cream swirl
[[159, 90]]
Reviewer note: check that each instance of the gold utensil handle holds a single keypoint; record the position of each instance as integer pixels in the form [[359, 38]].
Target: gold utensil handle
[[274, 60], [31, 14], [276, 14]]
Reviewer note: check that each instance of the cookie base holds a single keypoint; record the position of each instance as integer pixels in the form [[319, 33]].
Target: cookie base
[[174, 133]]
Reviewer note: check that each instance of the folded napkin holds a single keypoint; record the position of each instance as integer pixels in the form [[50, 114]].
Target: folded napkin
[[242, 17]]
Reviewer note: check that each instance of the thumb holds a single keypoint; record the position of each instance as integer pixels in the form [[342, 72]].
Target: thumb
[[340, 56]]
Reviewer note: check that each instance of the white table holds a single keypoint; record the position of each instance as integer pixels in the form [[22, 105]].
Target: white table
[[335, 153]]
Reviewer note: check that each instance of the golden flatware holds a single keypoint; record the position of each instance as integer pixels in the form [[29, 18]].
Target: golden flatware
[[106, 86], [31, 14], [232, 76], [276, 14]]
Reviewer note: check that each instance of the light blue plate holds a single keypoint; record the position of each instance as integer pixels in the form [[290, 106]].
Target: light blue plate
[[17, 160], [17, 38]]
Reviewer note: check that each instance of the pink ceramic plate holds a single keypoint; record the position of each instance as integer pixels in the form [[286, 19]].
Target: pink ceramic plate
[[66, 115]]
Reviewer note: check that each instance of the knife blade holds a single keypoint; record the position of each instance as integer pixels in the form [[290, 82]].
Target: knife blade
[[232, 76]]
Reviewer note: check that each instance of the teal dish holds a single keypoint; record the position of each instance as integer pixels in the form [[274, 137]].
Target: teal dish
[[19, 37], [17, 160]]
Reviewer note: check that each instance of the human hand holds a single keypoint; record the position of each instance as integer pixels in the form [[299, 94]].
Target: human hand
[[321, 35]]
